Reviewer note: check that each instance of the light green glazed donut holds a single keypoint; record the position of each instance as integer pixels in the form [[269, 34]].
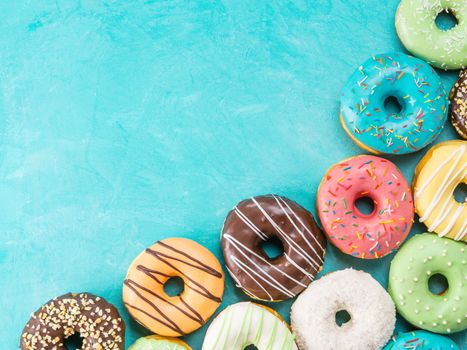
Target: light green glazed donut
[[154, 342], [420, 258], [416, 27]]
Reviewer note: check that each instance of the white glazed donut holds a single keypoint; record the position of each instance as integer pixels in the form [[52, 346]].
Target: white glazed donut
[[371, 309], [243, 324]]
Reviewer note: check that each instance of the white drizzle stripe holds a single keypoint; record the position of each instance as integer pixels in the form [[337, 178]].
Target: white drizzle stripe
[[237, 282], [441, 189], [440, 167], [440, 192], [236, 244], [254, 279], [252, 226], [306, 273], [462, 232], [443, 214], [296, 227], [304, 226], [273, 283], [451, 223], [292, 244]]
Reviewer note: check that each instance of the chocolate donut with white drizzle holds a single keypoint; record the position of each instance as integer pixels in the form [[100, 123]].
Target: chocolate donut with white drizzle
[[259, 219]]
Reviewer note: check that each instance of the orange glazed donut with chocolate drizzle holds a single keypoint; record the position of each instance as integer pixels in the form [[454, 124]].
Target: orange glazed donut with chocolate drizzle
[[152, 307]]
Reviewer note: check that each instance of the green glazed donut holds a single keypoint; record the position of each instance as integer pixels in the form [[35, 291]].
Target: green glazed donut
[[420, 258], [416, 27], [155, 342]]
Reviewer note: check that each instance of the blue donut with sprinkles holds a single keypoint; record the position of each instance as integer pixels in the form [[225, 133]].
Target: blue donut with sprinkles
[[420, 340], [418, 111]]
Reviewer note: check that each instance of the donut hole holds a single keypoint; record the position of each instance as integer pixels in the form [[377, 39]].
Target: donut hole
[[272, 247], [174, 286], [342, 317], [392, 105], [74, 342], [438, 284], [460, 193], [365, 205], [446, 20]]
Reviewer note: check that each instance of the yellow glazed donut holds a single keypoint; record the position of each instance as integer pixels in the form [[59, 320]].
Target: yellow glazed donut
[[437, 175], [173, 316]]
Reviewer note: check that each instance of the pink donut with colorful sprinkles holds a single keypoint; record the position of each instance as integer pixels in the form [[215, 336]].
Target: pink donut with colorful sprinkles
[[366, 236]]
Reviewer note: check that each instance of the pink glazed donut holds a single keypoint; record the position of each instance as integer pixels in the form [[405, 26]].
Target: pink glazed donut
[[366, 236]]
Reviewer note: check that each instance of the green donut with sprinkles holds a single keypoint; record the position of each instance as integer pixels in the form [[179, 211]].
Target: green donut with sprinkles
[[420, 258], [418, 31]]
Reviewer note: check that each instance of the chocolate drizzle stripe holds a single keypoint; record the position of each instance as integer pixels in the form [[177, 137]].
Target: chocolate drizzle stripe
[[175, 328], [146, 271], [187, 314], [205, 292], [198, 315], [204, 268]]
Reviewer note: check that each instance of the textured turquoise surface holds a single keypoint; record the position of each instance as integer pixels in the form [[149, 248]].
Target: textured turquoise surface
[[123, 122]]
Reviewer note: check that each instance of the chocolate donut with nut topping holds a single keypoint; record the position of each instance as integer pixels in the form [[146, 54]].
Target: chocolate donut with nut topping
[[97, 322]]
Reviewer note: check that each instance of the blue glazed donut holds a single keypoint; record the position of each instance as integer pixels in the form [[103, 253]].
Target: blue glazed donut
[[420, 340], [417, 88]]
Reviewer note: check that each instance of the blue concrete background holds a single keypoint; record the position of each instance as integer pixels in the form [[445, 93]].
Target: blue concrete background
[[123, 122]]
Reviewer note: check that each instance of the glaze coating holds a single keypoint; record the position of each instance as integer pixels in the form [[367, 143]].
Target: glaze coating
[[419, 91], [256, 220], [146, 300]]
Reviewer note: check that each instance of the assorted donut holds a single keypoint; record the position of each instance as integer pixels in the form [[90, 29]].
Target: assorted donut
[[370, 310], [244, 324], [420, 340], [366, 236], [422, 257], [258, 219], [417, 29], [155, 342], [458, 105], [96, 321], [439, 173], [146, 300], [413, 123]]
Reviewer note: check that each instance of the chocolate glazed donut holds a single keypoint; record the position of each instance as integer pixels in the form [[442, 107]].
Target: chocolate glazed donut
[[257, 220], [458, 105], [96, 321]]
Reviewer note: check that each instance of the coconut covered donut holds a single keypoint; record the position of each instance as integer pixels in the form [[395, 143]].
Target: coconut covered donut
[[372, 313]]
